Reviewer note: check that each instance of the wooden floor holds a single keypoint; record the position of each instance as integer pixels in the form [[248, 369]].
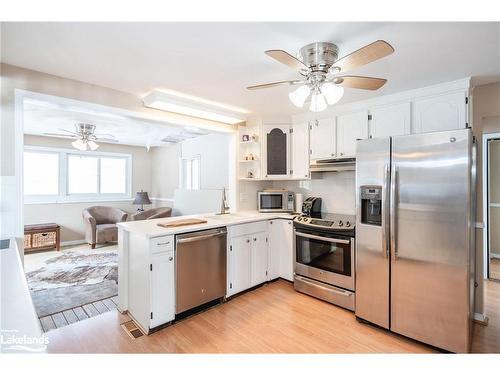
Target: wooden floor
[[271, 319], [77, 314], [495, 268]]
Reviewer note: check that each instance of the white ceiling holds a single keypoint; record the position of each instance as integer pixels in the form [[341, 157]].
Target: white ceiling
[[218, 60], [41, 117]]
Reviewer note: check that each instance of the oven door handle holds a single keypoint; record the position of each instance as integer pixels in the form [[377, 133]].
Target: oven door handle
[[326, 239]]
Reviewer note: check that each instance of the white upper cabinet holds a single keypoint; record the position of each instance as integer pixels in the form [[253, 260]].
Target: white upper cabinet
[[300, 151], [351, 127], [389, 120], [323, 138], [441, 112], [276, 147]]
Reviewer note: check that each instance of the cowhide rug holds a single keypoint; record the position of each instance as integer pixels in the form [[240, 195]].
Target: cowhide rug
[[74, 278]]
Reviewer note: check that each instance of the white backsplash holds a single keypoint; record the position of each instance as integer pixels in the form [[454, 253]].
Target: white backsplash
[[336, 189]]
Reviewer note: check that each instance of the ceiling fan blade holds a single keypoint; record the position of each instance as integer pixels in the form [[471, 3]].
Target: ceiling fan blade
[[287, 59], [67, 131], [273, 84], [356, 82], [364, 55], [106, 140], [60, 135]]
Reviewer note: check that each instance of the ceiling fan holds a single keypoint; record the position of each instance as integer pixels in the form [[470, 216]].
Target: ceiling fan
[[85, 137], [319, 66]]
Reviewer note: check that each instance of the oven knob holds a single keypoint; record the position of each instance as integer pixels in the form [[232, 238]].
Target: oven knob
[[300, 219], [347, 224], [340, 223]]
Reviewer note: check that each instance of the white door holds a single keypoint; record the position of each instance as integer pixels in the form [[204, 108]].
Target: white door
[[162, 289], [438, 113], [259, 258], [350, 127], [276, 147], [323, 139], [300, 151], [390, 120], [287, 258], [240, 264], [274, 249]]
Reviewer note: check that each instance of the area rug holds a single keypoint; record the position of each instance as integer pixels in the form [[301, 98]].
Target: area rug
[[74, 278]]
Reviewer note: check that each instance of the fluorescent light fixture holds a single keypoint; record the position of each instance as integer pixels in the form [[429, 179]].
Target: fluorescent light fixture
[[173, 101]]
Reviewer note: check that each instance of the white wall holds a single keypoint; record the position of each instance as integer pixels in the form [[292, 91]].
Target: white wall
[[69, 215], [336, 189], [164, 174], [214, 156]]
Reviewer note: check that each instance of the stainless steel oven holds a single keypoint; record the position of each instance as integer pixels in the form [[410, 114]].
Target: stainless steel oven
[[325, 257]]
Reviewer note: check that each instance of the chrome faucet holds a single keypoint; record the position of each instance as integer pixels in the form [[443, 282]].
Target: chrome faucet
[[224, 208]]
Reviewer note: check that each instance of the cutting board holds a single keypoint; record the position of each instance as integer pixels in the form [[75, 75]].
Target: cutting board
[[179, 223]]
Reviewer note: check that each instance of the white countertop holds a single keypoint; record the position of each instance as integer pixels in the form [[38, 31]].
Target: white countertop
[[19, 327], [150, 228]]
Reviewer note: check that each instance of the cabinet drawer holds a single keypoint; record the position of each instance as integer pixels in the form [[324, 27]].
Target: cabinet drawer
[[249, 228], [162, 244]]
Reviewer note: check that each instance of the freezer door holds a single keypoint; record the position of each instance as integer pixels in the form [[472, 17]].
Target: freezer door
[[372, 238], [430, 229]]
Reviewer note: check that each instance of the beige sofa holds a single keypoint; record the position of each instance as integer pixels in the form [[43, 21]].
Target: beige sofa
[[154, 213], [100, 224]]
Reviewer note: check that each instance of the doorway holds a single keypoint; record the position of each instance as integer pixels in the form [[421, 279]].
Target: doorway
[[491, 209]]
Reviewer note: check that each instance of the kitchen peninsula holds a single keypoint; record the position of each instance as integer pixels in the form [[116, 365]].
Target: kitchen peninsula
[[259, 248]]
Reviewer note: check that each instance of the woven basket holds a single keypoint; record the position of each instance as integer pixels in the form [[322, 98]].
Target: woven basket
[[44, 239]]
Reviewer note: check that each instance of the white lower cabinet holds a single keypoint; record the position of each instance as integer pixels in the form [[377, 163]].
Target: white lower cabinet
[[247, 260], [281, 252], [151, 291]]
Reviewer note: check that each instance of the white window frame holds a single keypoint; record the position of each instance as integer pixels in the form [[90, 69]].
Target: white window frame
[[181, 170], [64, 196]]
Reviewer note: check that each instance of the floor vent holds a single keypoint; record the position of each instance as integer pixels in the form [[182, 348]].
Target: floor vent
[[132, 329]]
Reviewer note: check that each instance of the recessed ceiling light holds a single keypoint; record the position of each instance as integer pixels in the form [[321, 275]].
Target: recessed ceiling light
[[173, 101]]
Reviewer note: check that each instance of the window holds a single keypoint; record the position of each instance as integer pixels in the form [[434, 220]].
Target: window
[[41, 173], [62, 175], [190, 173]]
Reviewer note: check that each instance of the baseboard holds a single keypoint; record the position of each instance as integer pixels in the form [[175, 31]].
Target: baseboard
[[72, 243], [481, 319]]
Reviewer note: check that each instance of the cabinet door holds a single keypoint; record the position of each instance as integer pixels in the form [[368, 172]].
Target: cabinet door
[[442, 112], [300, 150], [287, 258], [259, 258], [162, 289], [240, 265], [274, 249], [350, 127], [323, 139], [277, 150], [390, 120]]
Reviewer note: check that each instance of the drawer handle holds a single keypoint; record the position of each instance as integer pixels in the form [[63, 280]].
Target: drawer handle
[[45, 234], [163, 243]]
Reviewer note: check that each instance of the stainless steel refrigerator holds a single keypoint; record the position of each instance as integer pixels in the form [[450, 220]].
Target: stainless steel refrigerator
[[415, 202]]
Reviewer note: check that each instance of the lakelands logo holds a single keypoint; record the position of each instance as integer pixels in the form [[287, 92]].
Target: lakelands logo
[[11, 340]]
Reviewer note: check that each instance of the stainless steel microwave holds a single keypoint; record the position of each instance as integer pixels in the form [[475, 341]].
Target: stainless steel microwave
[[276, 201]]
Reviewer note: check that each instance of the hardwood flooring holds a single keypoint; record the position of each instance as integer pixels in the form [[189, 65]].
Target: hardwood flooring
[[271, 319], [77, 314]]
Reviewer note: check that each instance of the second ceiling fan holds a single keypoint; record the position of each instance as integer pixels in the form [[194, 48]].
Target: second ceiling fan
[[319, 67]]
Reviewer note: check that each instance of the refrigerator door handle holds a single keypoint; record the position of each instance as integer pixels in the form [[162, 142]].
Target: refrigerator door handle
[[393, 205], [386, 246]]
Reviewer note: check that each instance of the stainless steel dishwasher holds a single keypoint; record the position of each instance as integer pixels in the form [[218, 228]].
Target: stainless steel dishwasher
[[200, 268]]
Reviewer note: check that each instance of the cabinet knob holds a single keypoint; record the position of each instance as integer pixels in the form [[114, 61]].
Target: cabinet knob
[[170, 258], [341, 154], [248, 241], [255, 239], [332, 154]]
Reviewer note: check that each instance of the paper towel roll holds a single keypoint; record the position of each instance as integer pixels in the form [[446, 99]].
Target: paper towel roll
[[299, 199]]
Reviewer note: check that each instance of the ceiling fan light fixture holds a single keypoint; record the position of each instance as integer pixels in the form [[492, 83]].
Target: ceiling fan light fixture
[[332, 92], [79, 145], [92, 145], [318, 103], [299, 96]]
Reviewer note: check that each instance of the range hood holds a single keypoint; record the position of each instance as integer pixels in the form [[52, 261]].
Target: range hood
[[333, 165]]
